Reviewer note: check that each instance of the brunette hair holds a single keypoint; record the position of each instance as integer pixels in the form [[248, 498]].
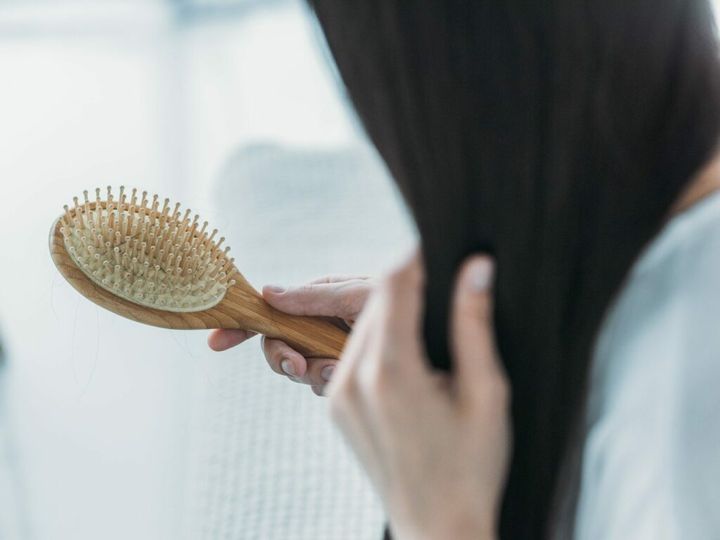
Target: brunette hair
[[554, 135]]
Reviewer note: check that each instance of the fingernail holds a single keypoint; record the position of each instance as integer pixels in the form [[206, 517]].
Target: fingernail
[[481, 274], [288, 367], [276, 289], [327, 372]]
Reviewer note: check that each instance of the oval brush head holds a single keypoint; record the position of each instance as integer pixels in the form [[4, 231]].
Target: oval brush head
[[154, 256], [155, 265]]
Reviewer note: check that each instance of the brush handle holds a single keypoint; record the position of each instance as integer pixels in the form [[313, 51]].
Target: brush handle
[[313, 337]]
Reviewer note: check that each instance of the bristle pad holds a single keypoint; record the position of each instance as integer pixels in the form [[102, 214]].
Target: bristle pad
[[146, 252]]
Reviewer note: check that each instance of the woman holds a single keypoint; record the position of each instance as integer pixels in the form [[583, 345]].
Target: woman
[[574, 142]]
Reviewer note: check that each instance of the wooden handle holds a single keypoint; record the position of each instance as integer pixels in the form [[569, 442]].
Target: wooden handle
[[313, 337]]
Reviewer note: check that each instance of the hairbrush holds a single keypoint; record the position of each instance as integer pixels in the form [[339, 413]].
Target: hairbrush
[[153, 264]]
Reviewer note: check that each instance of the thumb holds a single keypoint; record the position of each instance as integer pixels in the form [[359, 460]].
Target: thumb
[[343, 300], [473, 336]]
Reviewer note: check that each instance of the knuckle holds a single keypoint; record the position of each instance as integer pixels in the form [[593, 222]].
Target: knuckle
[[346, 305], [350, 302], [306, 288]]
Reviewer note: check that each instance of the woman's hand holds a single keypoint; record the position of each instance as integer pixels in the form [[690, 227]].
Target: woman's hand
[[435, 446], [333, 296]]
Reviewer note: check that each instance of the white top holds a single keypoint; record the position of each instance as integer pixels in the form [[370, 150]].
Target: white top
[[651, 466]]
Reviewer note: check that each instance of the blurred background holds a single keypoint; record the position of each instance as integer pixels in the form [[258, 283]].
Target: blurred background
[[115, 430]]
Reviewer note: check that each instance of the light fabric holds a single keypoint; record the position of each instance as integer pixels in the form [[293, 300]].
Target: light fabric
[[651, 468]]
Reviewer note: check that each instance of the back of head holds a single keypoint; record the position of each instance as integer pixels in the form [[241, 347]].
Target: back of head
[[554, 135]]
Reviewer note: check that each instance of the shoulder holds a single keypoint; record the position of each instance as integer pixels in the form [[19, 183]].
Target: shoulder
[[695, 460], [651, 465]]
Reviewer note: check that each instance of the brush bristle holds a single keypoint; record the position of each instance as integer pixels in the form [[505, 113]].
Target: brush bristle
[[153, 256]]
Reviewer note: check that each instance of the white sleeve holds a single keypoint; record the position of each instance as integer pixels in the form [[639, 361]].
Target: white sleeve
[[695, 456]]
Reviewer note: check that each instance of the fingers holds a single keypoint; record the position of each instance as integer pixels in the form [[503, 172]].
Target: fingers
[[339, 297], [347, 392], [401, 303], [343, 299], [385, 350], [221, 340], [473, 337], [318, 375], [283, 359], [344, 382], [320, 372]]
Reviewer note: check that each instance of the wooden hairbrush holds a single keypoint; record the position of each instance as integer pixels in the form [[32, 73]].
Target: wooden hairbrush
[[156, 266]]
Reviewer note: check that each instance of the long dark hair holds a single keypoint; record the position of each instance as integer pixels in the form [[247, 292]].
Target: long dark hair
[[554, 135]]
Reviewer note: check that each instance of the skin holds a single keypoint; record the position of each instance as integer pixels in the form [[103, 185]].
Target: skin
[[439, 465], [703, 185], [453, 444], [339, 296], [427, 441]]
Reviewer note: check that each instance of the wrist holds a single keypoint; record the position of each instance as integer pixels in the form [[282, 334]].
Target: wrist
[[470, 528]]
